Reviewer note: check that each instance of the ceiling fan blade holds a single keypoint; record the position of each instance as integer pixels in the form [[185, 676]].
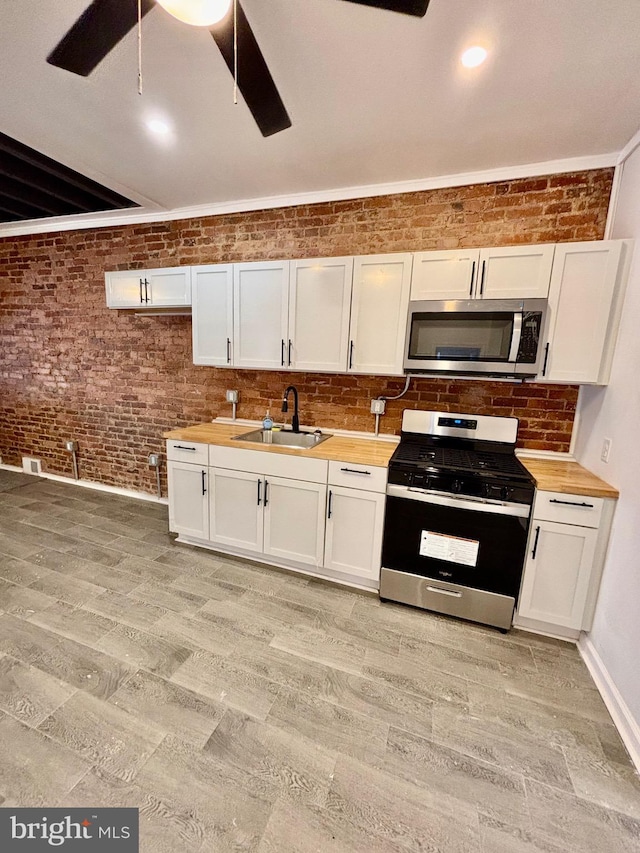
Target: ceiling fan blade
[[254, 78], [96, 32], [418, 8]]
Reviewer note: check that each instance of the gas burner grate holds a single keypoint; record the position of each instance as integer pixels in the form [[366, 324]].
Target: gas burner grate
[[454, 458]]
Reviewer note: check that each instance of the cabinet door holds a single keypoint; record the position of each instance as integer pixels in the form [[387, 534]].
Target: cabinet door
[[125, 289], [261, 299], [354, 533], [444, 275], [236, 509], [168, 288], [212, 314], [379, 309], [294, 520], [515, 272], [582, 321], [319, 303], [188, 499], [557, 573]]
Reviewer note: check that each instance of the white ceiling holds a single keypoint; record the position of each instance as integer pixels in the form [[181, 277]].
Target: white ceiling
[[375, 97]]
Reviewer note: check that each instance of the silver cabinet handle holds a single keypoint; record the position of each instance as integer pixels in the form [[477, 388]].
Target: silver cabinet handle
[[266, 492], [482, 278], [329, 504], [282, 352], [350, 355], [354, 471], [204, 482], [259, 488], [182, 447], [141, 299], [228, 350], [473, 275]]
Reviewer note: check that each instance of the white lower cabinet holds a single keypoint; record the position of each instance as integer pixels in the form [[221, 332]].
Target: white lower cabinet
[[236, 516], [294, 520], [565, 556], [353, 541], [557, 573], [188, 499], [276, 508]]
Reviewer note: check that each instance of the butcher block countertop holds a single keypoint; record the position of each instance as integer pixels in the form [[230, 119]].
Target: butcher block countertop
[[562, 475], [338, 448], [551, 475]]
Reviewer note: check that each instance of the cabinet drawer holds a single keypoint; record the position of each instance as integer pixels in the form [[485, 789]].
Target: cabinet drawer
[[582, 510], [370, 478], [187, 451], [268, 464]]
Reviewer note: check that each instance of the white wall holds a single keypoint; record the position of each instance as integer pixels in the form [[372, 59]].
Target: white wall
[[614, 412]]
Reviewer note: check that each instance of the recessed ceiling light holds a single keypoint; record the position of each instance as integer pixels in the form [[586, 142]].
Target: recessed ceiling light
[[159, 127], [473, 56]]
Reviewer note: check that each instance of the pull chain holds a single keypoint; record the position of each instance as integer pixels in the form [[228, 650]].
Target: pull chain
[[139, 47], [235, 51]]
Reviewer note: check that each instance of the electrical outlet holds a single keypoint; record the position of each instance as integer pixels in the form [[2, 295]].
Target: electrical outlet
[[154, 460], [606, 450], [232, 396], [377, 407], [71, 446]]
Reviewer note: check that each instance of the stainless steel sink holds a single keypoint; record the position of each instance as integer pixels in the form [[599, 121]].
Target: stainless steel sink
[[283, 438]]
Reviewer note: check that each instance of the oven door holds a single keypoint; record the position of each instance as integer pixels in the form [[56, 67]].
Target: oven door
[[454, 539]]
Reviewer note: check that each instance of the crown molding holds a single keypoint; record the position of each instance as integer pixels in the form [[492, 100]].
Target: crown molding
[[140, 215]]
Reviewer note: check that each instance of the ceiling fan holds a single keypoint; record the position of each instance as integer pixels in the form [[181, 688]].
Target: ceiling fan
[[105, 22]]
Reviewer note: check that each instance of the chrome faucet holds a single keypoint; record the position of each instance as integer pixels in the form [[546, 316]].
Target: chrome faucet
[[295, 420]]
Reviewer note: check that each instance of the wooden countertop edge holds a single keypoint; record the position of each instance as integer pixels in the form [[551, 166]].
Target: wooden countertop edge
[[339, 448], [567, 477], [550, 475]]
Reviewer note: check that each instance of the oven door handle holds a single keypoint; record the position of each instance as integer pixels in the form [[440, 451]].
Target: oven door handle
[[475, 505], [515, 337]]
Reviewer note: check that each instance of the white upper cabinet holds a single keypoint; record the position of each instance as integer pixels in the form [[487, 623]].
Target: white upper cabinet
[[444, 275], [514, 272], [158, 288], [212, 314], [260, 322], [509, 272], [379, 314], [319, 306], [585, 300]]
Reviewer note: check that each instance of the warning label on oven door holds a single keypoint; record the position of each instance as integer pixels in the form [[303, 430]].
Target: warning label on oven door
[[450, 548]]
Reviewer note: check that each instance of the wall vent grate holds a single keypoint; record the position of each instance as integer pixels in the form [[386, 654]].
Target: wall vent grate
[[31, 465]]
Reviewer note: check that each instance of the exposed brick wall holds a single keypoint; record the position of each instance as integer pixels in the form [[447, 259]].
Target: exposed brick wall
[[71, 368]]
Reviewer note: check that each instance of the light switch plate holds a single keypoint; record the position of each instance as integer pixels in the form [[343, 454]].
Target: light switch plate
[[606, 450]]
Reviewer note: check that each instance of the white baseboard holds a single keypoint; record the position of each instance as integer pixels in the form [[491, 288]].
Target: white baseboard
[[89, 484], [628, 727]]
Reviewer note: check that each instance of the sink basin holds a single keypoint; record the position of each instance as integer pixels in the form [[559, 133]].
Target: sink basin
[[283, 438]]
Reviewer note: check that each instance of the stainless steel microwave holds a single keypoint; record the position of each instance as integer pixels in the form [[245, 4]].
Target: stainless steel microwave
[[495, 337]]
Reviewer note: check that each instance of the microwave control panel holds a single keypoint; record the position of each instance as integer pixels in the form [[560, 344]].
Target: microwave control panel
[[530, 337]]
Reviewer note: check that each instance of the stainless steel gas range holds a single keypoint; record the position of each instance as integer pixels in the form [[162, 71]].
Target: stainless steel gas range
[[457, 517]]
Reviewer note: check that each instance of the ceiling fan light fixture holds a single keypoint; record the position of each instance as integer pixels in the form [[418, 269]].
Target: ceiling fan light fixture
[[198, 13]]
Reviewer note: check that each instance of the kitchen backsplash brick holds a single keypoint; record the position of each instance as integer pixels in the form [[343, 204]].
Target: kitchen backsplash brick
[[71, 368]]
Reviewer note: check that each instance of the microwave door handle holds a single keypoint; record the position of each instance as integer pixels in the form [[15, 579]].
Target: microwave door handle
[[515, 337]]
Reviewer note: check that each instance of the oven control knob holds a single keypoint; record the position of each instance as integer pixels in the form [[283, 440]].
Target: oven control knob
[[456, 487], [506, 493]]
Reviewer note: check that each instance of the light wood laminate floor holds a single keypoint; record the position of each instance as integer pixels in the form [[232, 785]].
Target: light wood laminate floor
[[245, 709]]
